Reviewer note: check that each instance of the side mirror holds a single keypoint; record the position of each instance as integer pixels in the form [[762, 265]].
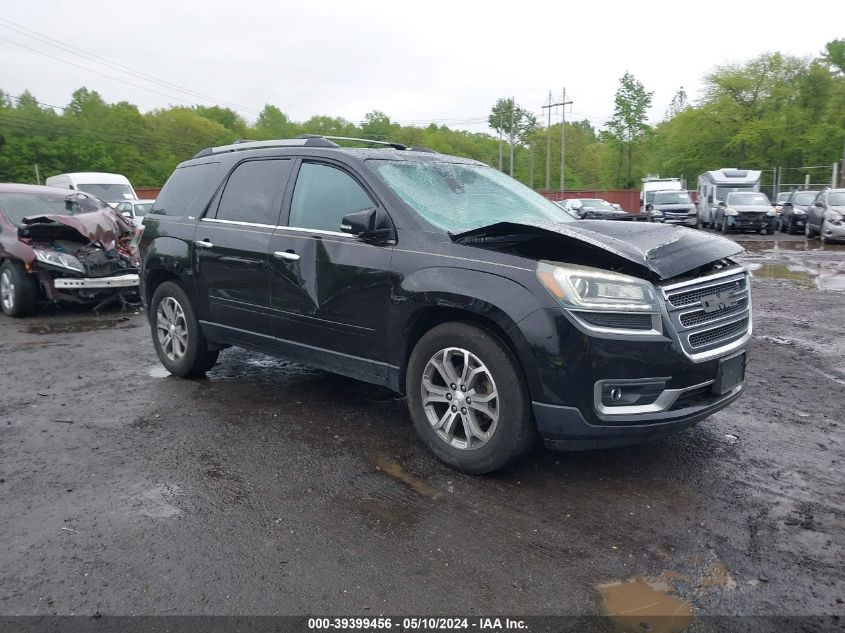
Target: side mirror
[[367, 224], [722, 203], [820, 205], [649, 207], [787, 204], [126, 214]]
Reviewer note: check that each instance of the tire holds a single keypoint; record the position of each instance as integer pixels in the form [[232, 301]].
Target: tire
[[18, 290], [790, 230], [770, 230], [195, 358], [496, 371]]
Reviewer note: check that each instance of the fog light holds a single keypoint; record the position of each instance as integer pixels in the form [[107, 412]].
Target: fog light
[[622, 393]]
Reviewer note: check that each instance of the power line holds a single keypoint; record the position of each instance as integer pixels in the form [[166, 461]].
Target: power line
[[74, 50]]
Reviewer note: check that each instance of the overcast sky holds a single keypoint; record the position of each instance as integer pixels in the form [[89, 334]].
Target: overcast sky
[[419, 62]]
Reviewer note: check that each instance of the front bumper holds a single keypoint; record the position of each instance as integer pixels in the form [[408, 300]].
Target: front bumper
[[684, 220], [565, 428], [739, 222], [96, 283], [833, 232]]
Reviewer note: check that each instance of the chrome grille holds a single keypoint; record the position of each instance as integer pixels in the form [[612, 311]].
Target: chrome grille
[[711, 313]]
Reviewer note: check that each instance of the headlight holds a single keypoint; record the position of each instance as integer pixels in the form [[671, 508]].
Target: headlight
[[770, 213], [731, 211], [799, 211], [833, 216], [693, 212], [62, 260], [657, 212], [583, 288]]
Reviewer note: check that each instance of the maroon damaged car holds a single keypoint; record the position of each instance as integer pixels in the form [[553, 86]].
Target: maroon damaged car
[[61, 246]]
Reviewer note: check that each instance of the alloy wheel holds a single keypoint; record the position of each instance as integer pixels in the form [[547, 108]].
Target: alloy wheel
[[460, 398], [7, 290], [172, 328]]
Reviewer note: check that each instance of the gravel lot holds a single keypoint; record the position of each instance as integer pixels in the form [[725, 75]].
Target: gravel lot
[[268, 488]]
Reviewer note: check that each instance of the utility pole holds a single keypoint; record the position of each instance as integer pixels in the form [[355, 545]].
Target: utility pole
[[37, 175], [531, 169], [551, 105], [513, 107], [549, 143], [563, 103], [500, 140]]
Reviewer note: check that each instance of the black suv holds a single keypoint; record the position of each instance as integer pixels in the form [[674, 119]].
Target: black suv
[[443, 279]]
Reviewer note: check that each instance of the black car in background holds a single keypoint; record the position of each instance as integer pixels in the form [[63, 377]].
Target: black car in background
[[451, 283], [793, 214], [672, 207], [595, 209]]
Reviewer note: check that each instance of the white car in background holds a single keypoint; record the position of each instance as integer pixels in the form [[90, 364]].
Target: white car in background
[[135, 210]]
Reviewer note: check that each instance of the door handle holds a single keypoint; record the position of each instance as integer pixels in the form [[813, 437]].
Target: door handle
[[204, 244], [288, 255]]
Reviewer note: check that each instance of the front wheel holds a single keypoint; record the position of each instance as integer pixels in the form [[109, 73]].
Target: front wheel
[[18, 290], [467, 398], [177, 336]]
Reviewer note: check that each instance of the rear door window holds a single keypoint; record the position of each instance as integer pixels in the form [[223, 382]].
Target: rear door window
[[253, 192], [187, 191], [323, 195]]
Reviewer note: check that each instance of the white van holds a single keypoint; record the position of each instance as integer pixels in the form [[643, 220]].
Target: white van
[[653, 184], [714, 186], [111, 188]]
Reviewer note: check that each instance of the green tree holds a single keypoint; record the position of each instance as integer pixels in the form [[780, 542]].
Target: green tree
[[628, 125], [513, 122]]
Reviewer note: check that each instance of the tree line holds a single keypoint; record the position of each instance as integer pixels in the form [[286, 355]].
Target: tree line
[[773, 110]]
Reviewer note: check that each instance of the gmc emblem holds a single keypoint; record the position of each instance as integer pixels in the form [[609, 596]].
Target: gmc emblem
[[719, 301]]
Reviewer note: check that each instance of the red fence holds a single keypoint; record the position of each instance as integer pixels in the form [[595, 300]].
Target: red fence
[[148, 194]]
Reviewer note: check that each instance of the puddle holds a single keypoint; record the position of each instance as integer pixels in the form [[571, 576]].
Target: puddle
[[645, 605], [823, 277], [155, 502], [762, 246], [392, 468], [73, 327], [386, 513], [158, 371]]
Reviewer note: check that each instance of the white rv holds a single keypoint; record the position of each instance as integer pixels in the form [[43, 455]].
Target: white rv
[[652, 184], [111, 188], [713, 186]]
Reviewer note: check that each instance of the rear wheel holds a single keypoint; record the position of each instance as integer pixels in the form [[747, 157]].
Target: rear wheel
[[177, 336], [18, 290], [467, 398]]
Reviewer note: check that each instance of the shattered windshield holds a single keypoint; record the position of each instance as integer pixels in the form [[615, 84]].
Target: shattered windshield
[[21, 205], [461, 197]]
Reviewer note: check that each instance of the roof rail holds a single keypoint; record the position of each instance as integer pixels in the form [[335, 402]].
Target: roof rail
[[303, 140], [311, 141], [359, 140]]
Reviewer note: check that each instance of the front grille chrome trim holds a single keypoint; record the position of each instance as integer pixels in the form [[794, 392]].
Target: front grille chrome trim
[[721, 318]]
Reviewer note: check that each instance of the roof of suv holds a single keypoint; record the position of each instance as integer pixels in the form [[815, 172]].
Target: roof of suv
[[324, 145]]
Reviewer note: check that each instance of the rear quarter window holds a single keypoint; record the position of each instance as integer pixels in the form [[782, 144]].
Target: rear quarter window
[[188, 190]]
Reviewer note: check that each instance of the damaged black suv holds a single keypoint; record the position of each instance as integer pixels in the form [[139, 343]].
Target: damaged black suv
[[445, 280]]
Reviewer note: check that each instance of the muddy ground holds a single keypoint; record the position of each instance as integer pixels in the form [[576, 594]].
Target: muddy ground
[[268, 488]]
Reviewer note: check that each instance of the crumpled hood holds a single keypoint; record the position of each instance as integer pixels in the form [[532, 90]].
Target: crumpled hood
[[103, 226], [665, 250]]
